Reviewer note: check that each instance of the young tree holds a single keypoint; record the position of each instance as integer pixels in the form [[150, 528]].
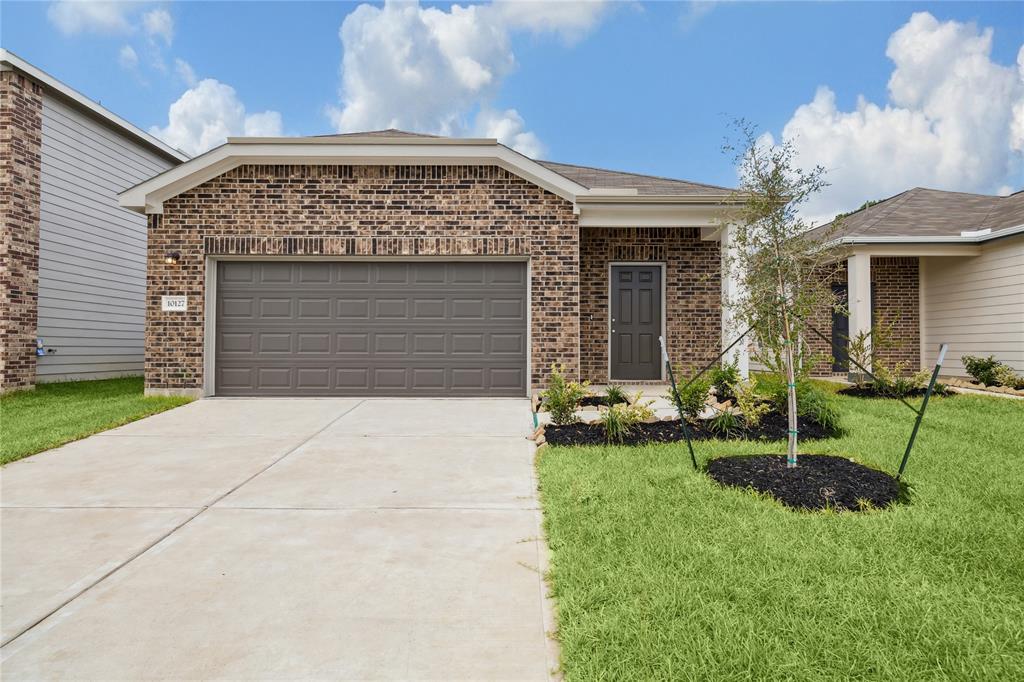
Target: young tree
[[780, 271]]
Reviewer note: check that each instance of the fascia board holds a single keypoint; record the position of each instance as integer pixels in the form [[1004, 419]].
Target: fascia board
[[150, 195]]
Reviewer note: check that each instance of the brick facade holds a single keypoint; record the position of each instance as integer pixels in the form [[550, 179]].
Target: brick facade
[[21, 105], [693, 290], [895, 298], [341, 210]]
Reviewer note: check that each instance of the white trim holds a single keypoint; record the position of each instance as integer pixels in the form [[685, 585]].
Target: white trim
[[149, 196], [707, 214], [12, 62], [664, 305], [944, 239], [210, 298]]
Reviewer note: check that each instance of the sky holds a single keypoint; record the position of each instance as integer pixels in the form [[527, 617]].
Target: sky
[[885, 95]]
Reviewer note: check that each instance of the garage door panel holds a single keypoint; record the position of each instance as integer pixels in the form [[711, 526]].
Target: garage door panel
[[371, 328]]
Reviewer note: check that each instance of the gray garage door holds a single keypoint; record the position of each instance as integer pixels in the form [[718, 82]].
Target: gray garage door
[[371, 328]]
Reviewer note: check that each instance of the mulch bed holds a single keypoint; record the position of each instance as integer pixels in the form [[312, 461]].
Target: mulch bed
[[870, 392], [817, 482], [773, 426], [597, 401]]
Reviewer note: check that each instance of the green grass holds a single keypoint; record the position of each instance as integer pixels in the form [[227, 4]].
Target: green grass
[[54, 414], [661, 574]]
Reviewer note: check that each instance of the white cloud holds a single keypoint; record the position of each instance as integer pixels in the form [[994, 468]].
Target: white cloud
[[695, 11], [508, 127], [158, 23], [429, 70], [185, 72], [954, 120], [127, 57], [207, 114], [77, 16]]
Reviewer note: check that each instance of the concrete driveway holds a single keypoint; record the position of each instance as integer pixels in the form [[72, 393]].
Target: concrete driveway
[[332, 539]]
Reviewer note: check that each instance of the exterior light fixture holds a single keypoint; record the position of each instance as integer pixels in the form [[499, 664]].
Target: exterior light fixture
[[172, 258]]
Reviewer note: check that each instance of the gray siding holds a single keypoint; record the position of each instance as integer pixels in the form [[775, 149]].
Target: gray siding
[[92, 253]]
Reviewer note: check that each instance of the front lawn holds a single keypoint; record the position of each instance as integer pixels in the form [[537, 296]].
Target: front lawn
[[54, 414], [659, 573]]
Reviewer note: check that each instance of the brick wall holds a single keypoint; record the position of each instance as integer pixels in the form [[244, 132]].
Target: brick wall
[[896, 299], [693, 291], [342, 210], [817, 351], [21, 106]]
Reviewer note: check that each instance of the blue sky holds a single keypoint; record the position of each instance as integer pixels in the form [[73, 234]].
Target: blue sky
[[647, 87]]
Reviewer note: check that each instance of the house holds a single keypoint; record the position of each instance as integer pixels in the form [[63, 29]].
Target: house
[[940, 267], [392, 263], [72, 262]]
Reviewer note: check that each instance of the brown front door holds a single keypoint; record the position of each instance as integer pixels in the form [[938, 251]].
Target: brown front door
[[635, 322]]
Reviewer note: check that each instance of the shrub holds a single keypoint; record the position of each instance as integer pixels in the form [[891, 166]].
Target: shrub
[[562, 398], [691, 399], [812, 401], [725, 424], [1005, 376], [724, 378], [750, 404], [982, 369], [620, 419], [615, 394]]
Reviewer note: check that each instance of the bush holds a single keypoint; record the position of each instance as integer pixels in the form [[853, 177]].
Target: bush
[[750, 404], [724, 378], [811, 401], [691, 399], [615, 394], [562, 398], [982, 369], [620, 419], [1007, 377]]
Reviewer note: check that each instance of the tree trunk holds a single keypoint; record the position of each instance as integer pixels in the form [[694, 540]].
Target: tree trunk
[[791, 400]]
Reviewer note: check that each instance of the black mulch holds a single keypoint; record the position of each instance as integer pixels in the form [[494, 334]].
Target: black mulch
[[817, 482], [772, 427], [597, 401], [869, 391]]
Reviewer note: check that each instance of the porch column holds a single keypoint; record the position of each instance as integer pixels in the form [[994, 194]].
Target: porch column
[[731, 289], [858, 273]]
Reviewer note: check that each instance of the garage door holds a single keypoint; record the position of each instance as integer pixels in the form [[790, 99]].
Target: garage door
[[371, 328]]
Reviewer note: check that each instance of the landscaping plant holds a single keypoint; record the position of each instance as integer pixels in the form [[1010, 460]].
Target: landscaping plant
[[726, 424], [615, 394], [691, 397], [750, 404], [782, 274], [991, 372], [620, 419], [724, 379], [562, 398]]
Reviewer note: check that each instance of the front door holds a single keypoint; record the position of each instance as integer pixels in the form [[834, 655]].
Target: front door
[[635, 322]]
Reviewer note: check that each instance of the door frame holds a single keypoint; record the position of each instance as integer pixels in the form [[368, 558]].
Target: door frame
[[664, 307], [210, 301]]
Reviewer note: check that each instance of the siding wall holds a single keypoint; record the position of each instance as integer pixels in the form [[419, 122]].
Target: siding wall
[[92, 253], [975, 304]]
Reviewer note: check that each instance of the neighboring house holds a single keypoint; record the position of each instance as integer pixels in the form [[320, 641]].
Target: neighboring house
[[72, 262], [941, 267], [391, 263]]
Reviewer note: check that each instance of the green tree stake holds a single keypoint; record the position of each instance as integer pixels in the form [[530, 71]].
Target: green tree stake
[[924, 406]]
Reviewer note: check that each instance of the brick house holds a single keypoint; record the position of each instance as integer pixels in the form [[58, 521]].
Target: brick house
[[940, 267], [392, 263], [72, 262]]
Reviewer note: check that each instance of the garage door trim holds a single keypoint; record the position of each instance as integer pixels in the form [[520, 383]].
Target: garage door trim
[[210, 299]]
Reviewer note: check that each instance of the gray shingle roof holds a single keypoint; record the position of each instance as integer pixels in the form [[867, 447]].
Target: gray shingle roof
[[389, 132], [921, 212], [645, 185]]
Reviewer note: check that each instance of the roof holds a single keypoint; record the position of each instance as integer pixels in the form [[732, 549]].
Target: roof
[[10, 61], [669, 201], [645, 185], [920, 214]]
